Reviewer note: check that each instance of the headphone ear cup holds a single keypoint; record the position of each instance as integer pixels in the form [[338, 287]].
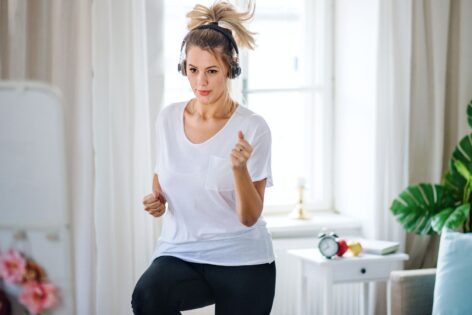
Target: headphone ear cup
[[235, 71], [183, 67]]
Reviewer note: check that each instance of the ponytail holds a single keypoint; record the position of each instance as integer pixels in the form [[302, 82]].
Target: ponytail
[[226, 15]]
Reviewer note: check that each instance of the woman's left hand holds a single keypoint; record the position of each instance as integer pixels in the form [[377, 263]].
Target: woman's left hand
[[241, 152]]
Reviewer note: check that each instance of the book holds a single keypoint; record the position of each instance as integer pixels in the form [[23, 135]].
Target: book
[[377, 247]]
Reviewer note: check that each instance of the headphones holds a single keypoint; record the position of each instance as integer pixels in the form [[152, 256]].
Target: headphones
[[235, 69]]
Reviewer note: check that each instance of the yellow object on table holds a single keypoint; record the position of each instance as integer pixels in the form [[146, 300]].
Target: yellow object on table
[[355, 247]]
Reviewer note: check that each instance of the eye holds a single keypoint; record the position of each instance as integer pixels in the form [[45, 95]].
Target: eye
[[213, 71], [192, 70]]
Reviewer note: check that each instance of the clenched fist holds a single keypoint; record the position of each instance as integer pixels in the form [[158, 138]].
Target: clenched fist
[[241, 152], [155, 203]]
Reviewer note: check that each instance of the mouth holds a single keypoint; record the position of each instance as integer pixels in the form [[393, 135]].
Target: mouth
[[203, 92]]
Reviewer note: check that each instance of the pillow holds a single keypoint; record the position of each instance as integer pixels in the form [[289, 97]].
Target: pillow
[[454, 274]]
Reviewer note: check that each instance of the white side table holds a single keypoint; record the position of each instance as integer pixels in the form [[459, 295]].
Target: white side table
[[365, 268]]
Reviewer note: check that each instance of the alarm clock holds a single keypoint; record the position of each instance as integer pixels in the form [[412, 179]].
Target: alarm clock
[[328, 245]]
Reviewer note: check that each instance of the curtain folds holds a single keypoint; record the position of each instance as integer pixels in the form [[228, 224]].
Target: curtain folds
[[98, 54], [49, 41], [125, 233], [424, 85]]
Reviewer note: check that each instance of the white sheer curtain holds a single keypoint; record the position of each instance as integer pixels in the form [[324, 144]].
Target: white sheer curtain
[[109, 123], [424, 84], [125, 234], [49, 41]]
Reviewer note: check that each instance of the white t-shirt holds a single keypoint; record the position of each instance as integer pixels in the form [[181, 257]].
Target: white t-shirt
[[201, 224]]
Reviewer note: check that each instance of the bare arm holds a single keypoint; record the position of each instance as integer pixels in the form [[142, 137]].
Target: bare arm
[[249, 195]]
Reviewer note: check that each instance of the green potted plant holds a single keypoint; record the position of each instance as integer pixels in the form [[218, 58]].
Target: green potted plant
[[426, 208]]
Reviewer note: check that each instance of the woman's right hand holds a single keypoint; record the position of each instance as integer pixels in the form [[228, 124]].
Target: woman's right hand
[[155, 204]]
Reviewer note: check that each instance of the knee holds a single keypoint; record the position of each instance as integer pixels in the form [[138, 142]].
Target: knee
[[138, 299], [152, 295], [147, 298]]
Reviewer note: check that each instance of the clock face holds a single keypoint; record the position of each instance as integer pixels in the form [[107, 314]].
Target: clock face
[[328, 246]]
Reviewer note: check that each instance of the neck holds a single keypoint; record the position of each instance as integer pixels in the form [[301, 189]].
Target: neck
[[222, 108]]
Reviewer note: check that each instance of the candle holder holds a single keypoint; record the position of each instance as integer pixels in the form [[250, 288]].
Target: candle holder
[[299, 212]]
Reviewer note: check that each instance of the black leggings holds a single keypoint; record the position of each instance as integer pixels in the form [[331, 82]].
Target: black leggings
[[171, 285]]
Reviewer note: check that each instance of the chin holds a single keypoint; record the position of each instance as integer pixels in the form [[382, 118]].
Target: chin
[[209, 99], [203, 99]]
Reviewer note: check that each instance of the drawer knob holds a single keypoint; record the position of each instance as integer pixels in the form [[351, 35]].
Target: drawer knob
[[363, 270]]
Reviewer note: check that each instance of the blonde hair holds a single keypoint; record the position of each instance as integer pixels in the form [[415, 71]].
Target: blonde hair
[[226, 15]]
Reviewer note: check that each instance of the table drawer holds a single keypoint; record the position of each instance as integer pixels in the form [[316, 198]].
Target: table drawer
[[362, 272]]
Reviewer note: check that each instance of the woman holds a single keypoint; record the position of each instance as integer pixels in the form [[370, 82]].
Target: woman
[[212, 167]]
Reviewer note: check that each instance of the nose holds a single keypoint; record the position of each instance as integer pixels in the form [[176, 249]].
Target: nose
[[202, 79]]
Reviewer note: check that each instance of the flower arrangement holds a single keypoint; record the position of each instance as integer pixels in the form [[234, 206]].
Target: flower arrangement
[[37, 294]]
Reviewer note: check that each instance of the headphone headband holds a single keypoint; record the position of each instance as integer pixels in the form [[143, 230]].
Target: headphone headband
[[235, 70], [224, 31]]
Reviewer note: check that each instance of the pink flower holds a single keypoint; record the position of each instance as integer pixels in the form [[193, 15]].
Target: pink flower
[[38, 297], [12, 266]]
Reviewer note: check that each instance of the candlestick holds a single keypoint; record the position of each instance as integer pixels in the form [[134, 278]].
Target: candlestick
[[301, 182], [299, 211]]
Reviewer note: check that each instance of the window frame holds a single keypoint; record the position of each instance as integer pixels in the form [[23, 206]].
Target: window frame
[[314, 8]]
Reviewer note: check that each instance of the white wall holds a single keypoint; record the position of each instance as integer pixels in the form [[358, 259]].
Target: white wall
[[355, 94]]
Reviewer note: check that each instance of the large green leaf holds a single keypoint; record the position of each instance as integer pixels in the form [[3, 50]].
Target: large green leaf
[[416, 206], [451, 218], [463, 153], [420, 208], [469, 113], [461, 168], [455, 183]]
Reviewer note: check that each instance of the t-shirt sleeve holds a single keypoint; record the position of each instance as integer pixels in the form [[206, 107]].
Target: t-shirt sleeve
[[259, 163]]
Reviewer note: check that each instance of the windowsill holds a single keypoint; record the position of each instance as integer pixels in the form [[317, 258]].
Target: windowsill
[[281, 226]]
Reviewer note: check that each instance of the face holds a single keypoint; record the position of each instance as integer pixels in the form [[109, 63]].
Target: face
[[207, 75]]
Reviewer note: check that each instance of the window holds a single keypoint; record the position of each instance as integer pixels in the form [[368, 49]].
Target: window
[[288, 80]]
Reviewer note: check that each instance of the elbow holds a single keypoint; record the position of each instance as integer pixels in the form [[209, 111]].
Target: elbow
[[249, 214], [248, 222], [248, 219]]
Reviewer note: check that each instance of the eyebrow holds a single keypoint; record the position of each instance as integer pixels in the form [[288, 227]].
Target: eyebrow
[[205, 68]]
